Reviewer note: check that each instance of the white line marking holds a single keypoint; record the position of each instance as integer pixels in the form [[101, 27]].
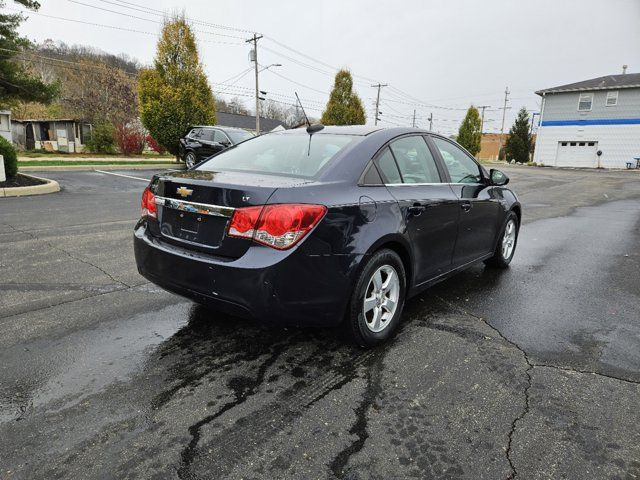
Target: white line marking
[[121, 175]]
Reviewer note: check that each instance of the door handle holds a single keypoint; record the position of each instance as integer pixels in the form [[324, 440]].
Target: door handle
[[416, 209], [466, 206]]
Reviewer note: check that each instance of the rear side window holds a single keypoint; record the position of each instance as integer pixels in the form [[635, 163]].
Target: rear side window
[[207, 134], [388, 167], [371, 176], [462, 169], [281, 154], [414, 160]]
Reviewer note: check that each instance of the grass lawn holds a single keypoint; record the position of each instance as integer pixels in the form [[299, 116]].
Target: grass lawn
[[67, 163], [43, 154]]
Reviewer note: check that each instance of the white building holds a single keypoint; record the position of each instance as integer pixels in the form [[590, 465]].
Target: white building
[[581, 119], [5, 125]]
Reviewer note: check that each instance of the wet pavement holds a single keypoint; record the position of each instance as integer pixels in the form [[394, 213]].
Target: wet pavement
[[531, 372]]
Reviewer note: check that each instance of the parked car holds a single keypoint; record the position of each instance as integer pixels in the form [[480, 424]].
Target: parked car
[[203, 141], [341, 225]]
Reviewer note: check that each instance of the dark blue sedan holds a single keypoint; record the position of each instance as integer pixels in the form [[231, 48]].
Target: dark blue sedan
[[340, 225]]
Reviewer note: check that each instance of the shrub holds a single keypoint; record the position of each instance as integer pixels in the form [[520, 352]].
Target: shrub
[[102, 139], [155, 146], [130, 139], [10, 157]]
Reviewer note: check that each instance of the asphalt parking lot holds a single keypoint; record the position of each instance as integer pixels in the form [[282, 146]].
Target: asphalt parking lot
[[529, 373]]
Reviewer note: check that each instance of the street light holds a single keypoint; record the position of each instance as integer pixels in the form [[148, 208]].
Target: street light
[[269, 66]]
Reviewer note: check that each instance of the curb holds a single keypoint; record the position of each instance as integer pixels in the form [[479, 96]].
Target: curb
[[50, 187], [90, 168]]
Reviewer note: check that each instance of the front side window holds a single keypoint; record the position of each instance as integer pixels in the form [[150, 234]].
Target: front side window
[[281, 154], [612, 99], [238, 136], [414, 160], [195, 133], [220, 137], [461, 168], [585, 101]]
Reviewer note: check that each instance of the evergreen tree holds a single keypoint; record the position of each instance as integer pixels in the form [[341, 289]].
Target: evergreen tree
[[518, 144], [175, 93], [344, 106], [17, 83], [469, 134]]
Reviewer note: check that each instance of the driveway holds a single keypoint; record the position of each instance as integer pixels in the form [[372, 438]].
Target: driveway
[[529, 373]]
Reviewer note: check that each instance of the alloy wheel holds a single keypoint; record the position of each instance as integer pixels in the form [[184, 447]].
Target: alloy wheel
[[381, 298], [509, 239], [190, 160]]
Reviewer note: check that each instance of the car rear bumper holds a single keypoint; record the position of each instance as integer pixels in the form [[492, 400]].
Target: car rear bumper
[[291, 287]]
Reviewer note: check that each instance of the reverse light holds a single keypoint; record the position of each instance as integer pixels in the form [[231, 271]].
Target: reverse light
[[277, 226], [149, 208]]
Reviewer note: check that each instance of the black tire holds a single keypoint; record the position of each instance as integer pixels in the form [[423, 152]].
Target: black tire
[[499, 260], [190, 159], [360, 324]]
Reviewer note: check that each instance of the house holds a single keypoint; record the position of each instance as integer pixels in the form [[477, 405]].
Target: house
[[247, 122], [53, 135], [5, 125], [582, 119], [490, 145]]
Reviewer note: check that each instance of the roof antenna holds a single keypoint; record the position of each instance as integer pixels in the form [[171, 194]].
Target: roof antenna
[[311, 129]]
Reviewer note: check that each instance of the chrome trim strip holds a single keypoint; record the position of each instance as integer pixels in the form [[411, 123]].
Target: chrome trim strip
[[193, 207]]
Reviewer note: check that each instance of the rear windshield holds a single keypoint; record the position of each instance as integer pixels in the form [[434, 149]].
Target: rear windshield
[[281, 154], [238, 136]]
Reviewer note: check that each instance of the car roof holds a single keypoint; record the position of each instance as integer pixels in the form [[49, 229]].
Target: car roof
[[358, 130], [219, 127]]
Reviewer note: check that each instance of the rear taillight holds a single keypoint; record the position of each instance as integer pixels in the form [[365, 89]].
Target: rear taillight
[[277, 226], [149, 208]]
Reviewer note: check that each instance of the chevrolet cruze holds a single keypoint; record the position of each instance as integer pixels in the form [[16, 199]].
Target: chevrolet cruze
[[325, 225]]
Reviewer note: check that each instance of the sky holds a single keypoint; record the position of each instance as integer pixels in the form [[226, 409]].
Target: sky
[[437, 56]]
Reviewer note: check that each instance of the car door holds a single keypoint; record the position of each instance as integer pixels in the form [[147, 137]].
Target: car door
[[479, 210], [207, 143], [428, 204]]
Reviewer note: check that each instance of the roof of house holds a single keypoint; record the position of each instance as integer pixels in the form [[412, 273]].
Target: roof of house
[[26, 120], [248, 122], [608, 82]]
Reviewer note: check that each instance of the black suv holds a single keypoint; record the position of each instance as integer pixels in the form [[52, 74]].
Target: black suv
[[203, 141]]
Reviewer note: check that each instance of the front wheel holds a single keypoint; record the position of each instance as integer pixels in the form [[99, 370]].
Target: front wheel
[[506, 246], [377, 300], [190, 159]]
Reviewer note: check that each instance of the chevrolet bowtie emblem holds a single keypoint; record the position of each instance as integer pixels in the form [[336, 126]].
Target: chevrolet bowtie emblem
[[184, 191]]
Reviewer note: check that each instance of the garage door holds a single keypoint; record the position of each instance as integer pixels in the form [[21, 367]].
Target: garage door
[[577, 154]]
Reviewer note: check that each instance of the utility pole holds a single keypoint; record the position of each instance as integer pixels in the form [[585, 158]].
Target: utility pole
[[504, 114], [430, 121], [378, 86], [414, 118], [482, 107], [255, 39]]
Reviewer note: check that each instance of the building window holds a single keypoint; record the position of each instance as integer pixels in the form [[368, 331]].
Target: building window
[[585, 102], [612, 99]]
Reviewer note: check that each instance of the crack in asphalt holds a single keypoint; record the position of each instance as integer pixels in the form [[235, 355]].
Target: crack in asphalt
[[530, 366], [525, 410], [73, 257]]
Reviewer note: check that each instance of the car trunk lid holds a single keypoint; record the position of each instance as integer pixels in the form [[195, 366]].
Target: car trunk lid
[[195, 207]]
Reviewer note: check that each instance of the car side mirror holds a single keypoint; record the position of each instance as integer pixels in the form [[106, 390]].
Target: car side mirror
[[498, 178]]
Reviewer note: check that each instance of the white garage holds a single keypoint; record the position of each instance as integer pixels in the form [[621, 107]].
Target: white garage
[[577, 153]]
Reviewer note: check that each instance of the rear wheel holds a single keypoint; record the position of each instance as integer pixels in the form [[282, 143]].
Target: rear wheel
[[190, 159], [506, 246], [377, 300]]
